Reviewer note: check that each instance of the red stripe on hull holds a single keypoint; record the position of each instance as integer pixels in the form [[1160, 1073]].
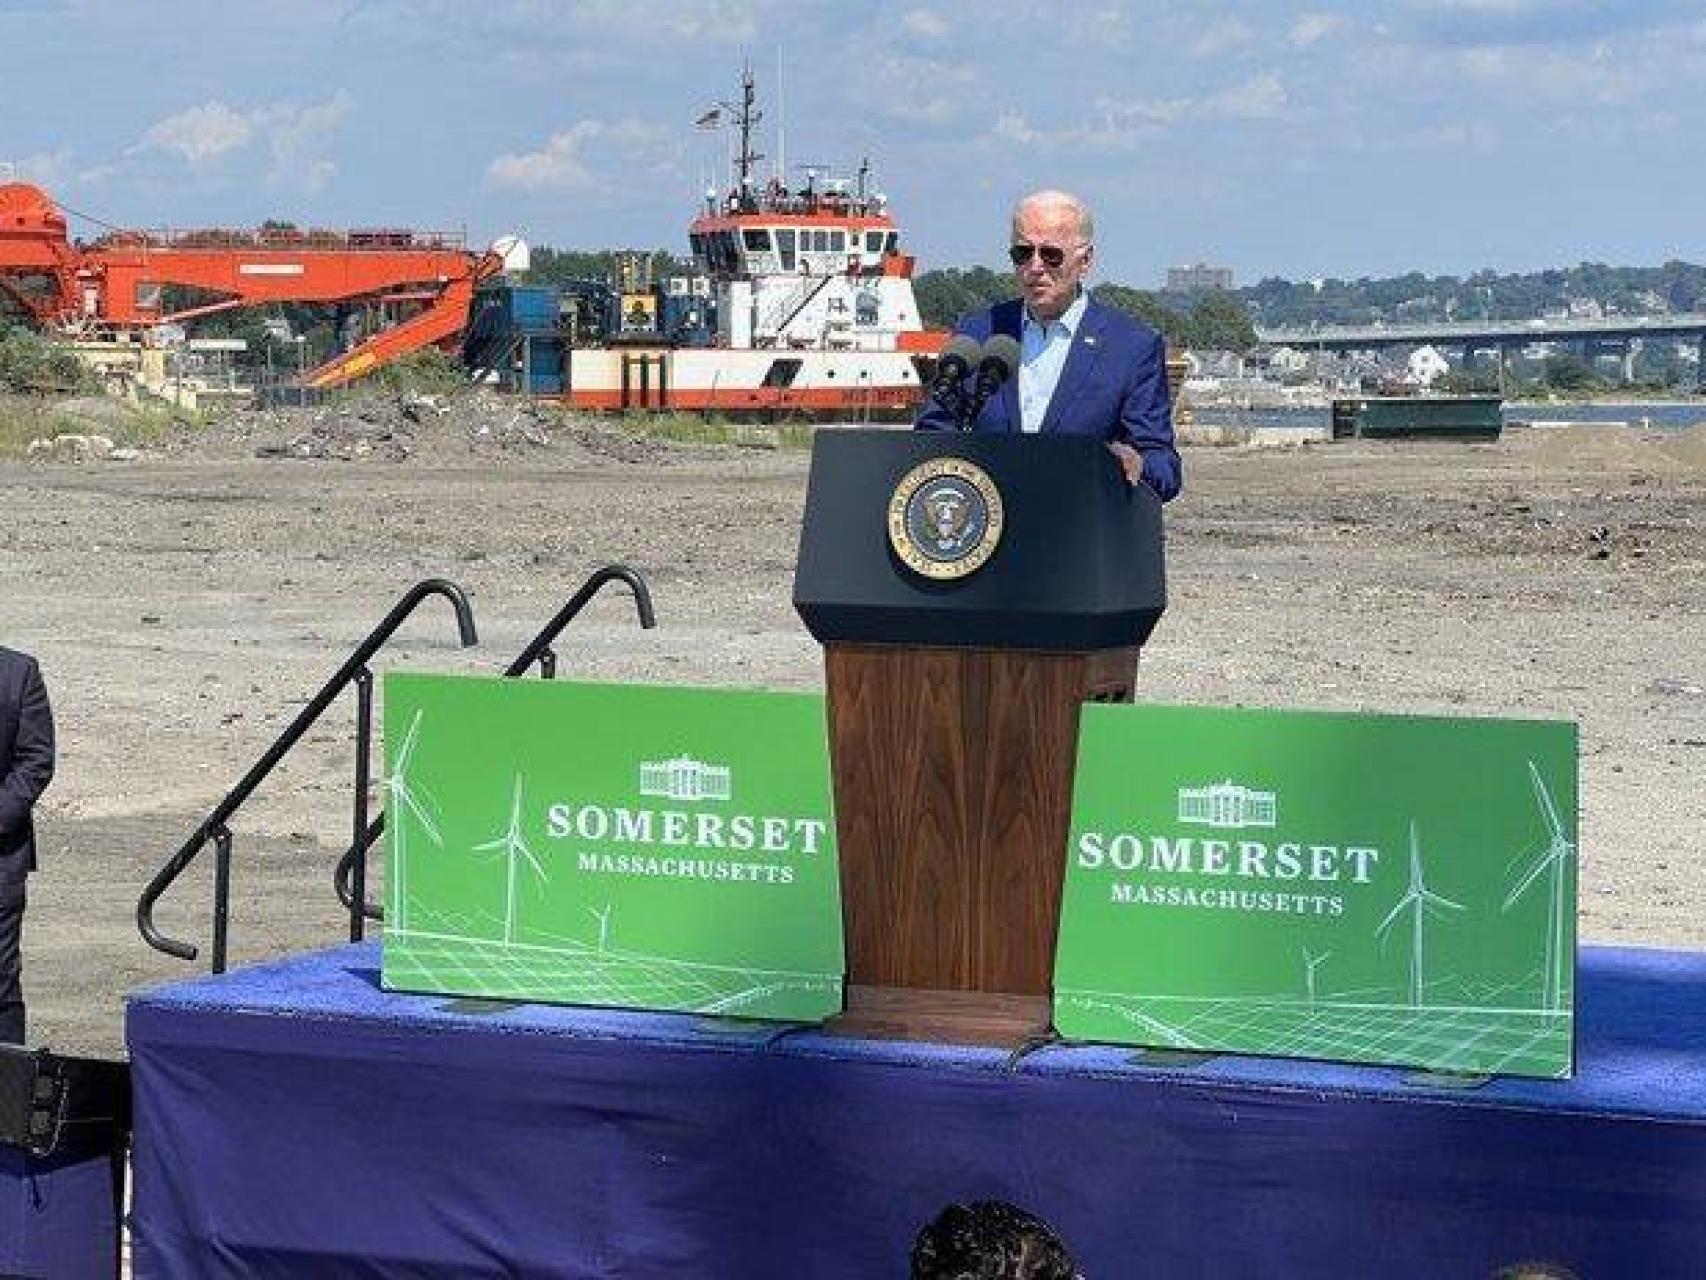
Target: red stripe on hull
[[750, 399]]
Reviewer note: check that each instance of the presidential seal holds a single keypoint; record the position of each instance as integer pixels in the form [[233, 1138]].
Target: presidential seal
[[945, 518]]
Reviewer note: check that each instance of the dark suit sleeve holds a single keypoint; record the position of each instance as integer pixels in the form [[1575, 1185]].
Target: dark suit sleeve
[[31, 767], [1146, 420], [933, 417]]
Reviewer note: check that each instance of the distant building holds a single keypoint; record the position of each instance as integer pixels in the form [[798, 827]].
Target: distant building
[[1425, 366], [684, 778], [1228, 804], [1198, 278]]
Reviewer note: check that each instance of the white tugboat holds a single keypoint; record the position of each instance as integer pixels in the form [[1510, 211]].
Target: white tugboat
[[802, 304]]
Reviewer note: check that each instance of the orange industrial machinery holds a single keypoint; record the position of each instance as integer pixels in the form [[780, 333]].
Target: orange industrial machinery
[[423, 284]]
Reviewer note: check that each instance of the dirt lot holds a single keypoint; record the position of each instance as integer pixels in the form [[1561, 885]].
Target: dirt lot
[[185, 604]]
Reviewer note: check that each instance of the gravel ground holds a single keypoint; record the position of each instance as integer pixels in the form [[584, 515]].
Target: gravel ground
[[186, 604]]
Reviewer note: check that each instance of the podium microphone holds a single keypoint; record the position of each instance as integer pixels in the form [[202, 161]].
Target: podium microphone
[[997, 362], [956, 363]]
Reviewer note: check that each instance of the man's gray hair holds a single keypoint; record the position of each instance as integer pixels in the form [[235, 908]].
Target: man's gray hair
[[1061, 199]]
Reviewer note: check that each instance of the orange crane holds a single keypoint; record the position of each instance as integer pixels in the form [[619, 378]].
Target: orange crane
[[118, 282]]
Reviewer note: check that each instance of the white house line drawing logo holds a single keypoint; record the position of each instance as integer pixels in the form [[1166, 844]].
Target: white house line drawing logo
[[685, 778], [1228, 804]]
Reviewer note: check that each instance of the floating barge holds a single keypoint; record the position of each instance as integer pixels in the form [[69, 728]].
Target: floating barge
[[1418, 417]]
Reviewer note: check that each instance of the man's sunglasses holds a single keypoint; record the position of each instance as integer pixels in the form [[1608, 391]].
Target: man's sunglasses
[[1051, 254]]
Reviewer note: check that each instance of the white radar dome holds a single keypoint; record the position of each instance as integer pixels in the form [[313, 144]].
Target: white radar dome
[[514, 253]]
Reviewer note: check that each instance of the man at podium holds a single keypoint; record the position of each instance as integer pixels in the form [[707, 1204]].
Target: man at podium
[[1083, 368]]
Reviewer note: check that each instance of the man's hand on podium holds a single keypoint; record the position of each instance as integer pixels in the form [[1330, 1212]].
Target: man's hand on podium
[[1130, 460]]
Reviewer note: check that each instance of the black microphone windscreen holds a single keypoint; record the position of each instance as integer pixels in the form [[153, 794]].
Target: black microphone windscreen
[[1000, 357], [959, 357]]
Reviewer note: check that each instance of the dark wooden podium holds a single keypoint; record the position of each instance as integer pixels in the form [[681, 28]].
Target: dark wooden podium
[[953, 715]]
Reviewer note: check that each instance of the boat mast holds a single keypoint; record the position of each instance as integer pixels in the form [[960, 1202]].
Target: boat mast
[[781, 132], [748, 159]]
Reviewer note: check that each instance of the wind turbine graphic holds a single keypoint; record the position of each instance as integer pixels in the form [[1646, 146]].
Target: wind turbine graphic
[[1418, 899], [1310, 964], [1554, 859], [515, 851], [401, 799], [603, 918]]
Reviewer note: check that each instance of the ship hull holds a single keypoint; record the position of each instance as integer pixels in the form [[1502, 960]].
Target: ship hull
[[772, 383]]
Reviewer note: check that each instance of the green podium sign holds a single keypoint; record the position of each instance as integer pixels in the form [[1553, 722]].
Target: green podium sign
[[623, 845], [1358, 887]]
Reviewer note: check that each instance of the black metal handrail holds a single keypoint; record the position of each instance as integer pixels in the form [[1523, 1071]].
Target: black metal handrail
[[214, 826], [539, 649], [350, 878]]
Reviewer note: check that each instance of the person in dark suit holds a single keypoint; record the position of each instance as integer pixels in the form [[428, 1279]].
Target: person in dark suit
[[26, 766], [1085, 369]]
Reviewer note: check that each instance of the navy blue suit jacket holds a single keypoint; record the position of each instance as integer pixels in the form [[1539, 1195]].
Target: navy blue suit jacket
[[1114, 386], [26, 760]]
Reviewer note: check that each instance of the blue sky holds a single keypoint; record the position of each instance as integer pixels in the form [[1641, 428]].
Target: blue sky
[[1309, 139]]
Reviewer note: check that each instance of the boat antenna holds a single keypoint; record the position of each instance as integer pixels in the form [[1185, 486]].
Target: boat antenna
[[750, 115], [781, 129]]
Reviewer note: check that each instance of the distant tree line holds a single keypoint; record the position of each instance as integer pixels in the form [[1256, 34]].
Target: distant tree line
[[1204, 322], [557, 266], [1483, 296]]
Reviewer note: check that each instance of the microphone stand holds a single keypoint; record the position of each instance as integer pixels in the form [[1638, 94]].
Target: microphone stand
[[992, 372], [966, 407]]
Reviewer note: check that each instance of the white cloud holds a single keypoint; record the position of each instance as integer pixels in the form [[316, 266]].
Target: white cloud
[[588, 157], [928, 90], [1498, 7], [1261, 97], [1567, 79], [1456, 138], [1104, 26], [1011, 126], [1222, 37], [1121, 124], [1312, 28], [46, 169], [199, 134], [723, 22], [295, 136], [926, 24]]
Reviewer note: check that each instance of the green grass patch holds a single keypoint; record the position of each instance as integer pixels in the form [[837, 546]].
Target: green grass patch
[[429, 372], [27, 418]]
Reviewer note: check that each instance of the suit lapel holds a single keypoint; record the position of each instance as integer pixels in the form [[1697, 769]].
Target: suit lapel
[[1081, 358]]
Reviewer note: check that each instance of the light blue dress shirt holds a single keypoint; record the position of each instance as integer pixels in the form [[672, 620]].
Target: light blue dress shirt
[[1042, 355]]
